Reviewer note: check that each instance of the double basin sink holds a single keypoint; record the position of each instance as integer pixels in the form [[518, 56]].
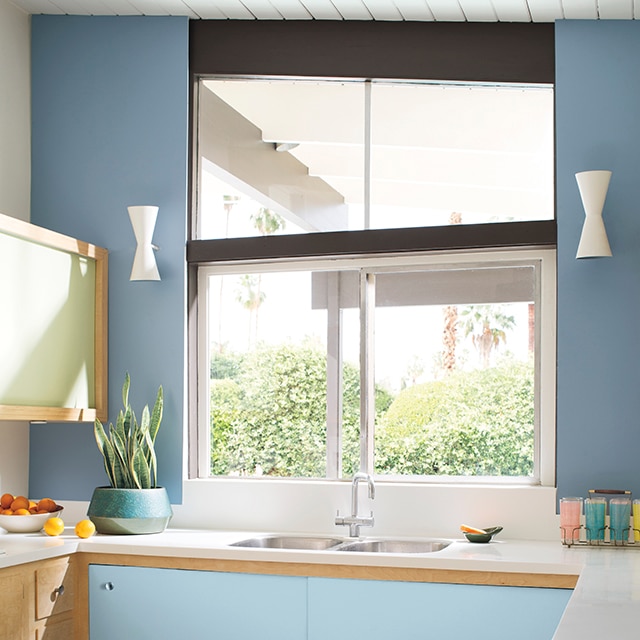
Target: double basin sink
[[328, 543]]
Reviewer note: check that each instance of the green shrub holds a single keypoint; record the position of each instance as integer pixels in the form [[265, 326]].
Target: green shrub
[[472, 423], [269, 416]]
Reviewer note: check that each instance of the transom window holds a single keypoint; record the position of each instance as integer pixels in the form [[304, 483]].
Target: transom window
[[345, 155]]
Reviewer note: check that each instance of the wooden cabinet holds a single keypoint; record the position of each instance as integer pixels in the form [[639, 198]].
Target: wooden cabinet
[[13, 600], [39, 597], [54, 599]]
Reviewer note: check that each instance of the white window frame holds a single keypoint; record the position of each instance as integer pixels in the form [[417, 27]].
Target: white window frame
[[545, 349]]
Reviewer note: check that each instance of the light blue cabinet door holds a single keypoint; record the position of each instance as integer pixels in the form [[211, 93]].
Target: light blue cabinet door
[[135, 603], [378, 610]]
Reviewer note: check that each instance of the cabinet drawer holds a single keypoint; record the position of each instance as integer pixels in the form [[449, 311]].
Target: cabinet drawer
[[55, 586], [54, 629]]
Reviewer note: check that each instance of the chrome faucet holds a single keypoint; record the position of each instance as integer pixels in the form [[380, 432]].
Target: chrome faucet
[[354, 520]]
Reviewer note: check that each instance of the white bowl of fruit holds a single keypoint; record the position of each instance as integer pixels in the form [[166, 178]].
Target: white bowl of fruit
[[21, 515]]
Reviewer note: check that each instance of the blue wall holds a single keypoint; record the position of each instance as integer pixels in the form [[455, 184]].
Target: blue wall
[[110, 129], [598, 127]]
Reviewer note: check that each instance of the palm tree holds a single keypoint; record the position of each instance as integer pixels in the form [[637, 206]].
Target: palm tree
[[250, 297], [267, 222], [228, 202], [450, 312], [487, 325]]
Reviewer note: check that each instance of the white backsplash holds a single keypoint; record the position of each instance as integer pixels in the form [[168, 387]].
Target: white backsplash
[[526, 513], [399, 509]]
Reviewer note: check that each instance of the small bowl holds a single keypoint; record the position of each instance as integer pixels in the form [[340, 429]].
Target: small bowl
[[27, 524], [483, 537]]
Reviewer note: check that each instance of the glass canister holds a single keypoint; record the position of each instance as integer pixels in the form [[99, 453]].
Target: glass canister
[[619, 519], [594, 516], [570, 515]]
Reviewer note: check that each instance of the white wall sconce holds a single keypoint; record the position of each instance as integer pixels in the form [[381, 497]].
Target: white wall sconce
[[143, 221], [593, 186]]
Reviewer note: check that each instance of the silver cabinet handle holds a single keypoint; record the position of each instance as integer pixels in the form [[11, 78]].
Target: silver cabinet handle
[[59, 591], [109, 586]]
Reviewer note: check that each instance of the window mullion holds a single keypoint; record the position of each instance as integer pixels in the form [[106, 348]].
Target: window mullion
[[334, 377], [367, 371], [367, 154]]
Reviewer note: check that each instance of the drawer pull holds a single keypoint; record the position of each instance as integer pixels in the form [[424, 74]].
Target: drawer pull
[[109, 586], [59, 591]]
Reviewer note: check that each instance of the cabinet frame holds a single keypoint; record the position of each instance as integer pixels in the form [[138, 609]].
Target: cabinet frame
[[32, 234]]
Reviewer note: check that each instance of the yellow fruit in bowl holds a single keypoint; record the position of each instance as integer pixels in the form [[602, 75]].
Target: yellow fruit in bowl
[[54, 526], [85, 529]]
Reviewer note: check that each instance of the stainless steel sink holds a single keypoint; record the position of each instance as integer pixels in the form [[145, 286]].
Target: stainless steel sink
[[388, 545], [307, 543], [328, 543]]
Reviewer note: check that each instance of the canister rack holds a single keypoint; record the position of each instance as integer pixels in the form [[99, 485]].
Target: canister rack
[[625, 543]]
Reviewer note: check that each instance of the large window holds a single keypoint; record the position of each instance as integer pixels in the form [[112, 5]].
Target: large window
[[375, 279], [422, 366]]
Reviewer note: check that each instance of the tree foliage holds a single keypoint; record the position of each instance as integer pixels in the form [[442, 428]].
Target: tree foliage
[[472, 423], [271, 417], [268, 415]]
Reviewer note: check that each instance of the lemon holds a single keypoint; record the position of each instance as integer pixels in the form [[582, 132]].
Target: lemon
[[85, 529], [54, 526]]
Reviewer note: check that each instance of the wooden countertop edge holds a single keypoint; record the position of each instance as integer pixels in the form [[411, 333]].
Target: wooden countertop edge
[[358, 572]]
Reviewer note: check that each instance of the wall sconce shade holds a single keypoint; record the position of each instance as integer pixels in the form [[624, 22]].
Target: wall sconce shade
[[143, 221], [593, 186]]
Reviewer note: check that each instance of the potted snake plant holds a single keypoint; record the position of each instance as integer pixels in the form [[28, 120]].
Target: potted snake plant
[[133, 503]]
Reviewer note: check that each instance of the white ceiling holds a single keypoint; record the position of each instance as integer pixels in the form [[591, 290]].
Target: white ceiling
[[421, 10]]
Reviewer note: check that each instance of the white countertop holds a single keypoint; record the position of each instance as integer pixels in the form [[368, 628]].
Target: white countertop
[[605, 602]]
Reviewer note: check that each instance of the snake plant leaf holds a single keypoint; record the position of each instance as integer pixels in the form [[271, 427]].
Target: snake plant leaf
[[121, 472], [106, 449], [152, 462], [119, 428], [156, 415], [139, 469], [145, 421], [125, 390]]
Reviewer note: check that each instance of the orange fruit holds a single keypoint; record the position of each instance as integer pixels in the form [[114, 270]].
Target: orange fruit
[[7, 512], [22, 512], [54, 526], [47, 504], [20, 503], [6, 500], [467, 529], [85, 529]]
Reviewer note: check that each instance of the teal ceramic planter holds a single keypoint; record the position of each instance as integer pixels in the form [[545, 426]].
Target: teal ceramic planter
[[130, 511]]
